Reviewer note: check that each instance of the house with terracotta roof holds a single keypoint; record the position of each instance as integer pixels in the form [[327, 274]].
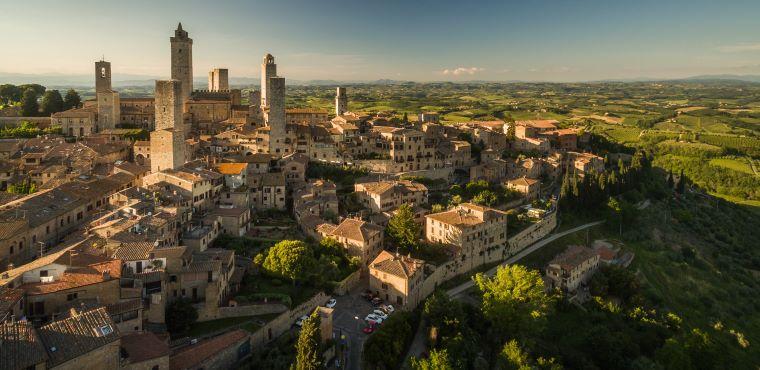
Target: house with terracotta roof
[[144, 351], [83, 339], [474, 230], [530, 188], [584, 162], [234, 173], [20, 346], [383, 196], [360, 238], [570, 269], [397, 279]]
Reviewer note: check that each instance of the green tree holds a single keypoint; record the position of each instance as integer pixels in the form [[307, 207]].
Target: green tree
[[438, 360], [291, 259], [180, 315], [406, 118], [52, 102], [485, 198], [38, 89], [681, 183], [516, 293], [10, 93], [71, 100], [29, 106], [309, 345], [403, 230], [512, 357]]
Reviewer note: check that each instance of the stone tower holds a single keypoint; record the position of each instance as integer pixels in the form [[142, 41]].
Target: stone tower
[[341, 101], [218, 79], [108, 103], [268, 70], [102, 76], [167, 141], [182, 61], [275, 114]]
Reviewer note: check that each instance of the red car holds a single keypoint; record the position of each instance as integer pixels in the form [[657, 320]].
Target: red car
[[369, 329]]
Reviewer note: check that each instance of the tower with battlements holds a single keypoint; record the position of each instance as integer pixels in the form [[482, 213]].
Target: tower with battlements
[[108, 103], [182, 62], [167, 142], [268, 70], [218, 80], [341, 101]]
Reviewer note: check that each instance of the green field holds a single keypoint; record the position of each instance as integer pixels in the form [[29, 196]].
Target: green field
[[740, 165]]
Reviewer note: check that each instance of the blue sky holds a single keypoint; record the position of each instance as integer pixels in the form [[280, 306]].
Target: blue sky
[[560, 40]]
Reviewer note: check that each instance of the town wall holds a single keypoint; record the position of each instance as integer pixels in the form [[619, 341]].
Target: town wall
[[282, 323], [348, 283], [239, 311]]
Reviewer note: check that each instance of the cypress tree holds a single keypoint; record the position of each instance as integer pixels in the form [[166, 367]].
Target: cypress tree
[[308, 347], [29, 106]]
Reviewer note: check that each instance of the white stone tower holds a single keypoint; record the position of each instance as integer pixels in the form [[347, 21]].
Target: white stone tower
[[167, 142], [268, 70], [218, 79], [182, 61], [341, 101]]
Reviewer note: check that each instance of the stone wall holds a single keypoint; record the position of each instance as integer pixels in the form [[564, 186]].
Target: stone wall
[[240, 311], [282, 323], [435, 173], [348, 283]]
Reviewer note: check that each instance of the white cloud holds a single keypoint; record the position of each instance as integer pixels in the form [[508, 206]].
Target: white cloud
[[739, 48], [463, 71]]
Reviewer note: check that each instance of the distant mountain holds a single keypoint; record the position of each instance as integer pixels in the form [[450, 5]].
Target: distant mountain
[[724, 77]]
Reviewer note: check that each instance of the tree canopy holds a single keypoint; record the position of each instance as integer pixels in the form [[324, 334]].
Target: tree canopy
[[403, 230], [309, 345], [52, 102], [71, 100], [291, 259], [29, 106]]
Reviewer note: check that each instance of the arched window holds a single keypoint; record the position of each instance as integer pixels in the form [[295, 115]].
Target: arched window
[[102, 72]]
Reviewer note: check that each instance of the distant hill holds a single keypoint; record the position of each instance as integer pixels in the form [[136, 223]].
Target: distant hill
[[724, 77]]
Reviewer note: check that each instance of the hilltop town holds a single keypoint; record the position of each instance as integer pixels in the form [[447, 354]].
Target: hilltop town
[[207, 229]]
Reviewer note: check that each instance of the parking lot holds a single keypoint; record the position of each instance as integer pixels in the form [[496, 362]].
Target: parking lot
[[348, 320]]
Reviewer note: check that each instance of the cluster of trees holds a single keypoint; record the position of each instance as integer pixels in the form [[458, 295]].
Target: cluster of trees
[[406, 235], [386, 348], [521, 326], [482, 192], [342, 175], [299, 262], [27, 130], [28, 97]]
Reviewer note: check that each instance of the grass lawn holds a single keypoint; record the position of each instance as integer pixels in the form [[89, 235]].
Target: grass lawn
[[261, 284], [740, 165]]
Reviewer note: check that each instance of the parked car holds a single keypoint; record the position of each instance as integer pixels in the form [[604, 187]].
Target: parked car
[[381, 314], [377, 301], [369, 329], [375, 318], [299, 322], [388, 308], [331, 303]]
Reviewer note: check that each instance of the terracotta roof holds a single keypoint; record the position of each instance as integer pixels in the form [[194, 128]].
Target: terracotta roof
[[8, 298], [231, 168], [20, 347], [523, 181], [357, 230], [305, 111], [194, 355], [77, 277], [78, 334], [397, 265], [143, 346], [461, 216], [573, 256], [133, 251]]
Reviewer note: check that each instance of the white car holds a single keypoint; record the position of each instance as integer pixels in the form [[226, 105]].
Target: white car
[[300, 320], [389, 309], [375, 318], [380, 314], [331, 303]]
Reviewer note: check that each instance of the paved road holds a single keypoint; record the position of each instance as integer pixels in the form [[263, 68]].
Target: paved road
[[453, 292], [348, 320]]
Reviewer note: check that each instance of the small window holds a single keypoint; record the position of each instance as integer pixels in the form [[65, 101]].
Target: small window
[[104, 330]]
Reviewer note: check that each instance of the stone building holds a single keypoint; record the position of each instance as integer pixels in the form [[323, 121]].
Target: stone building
[[360, 238], [383, 196], [397, 279], [268, 70], [571, 268], [108, 104], [182, 63], [526, 186]]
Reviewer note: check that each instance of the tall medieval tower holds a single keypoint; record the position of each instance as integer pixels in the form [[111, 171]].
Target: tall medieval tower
[[108, 103], [218, 80], [182, 62], [341, 101], [275, 114], [268, 70], [167, 142]]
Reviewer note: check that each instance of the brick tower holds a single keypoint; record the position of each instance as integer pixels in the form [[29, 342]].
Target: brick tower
[[108, 103], [167, 142]]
